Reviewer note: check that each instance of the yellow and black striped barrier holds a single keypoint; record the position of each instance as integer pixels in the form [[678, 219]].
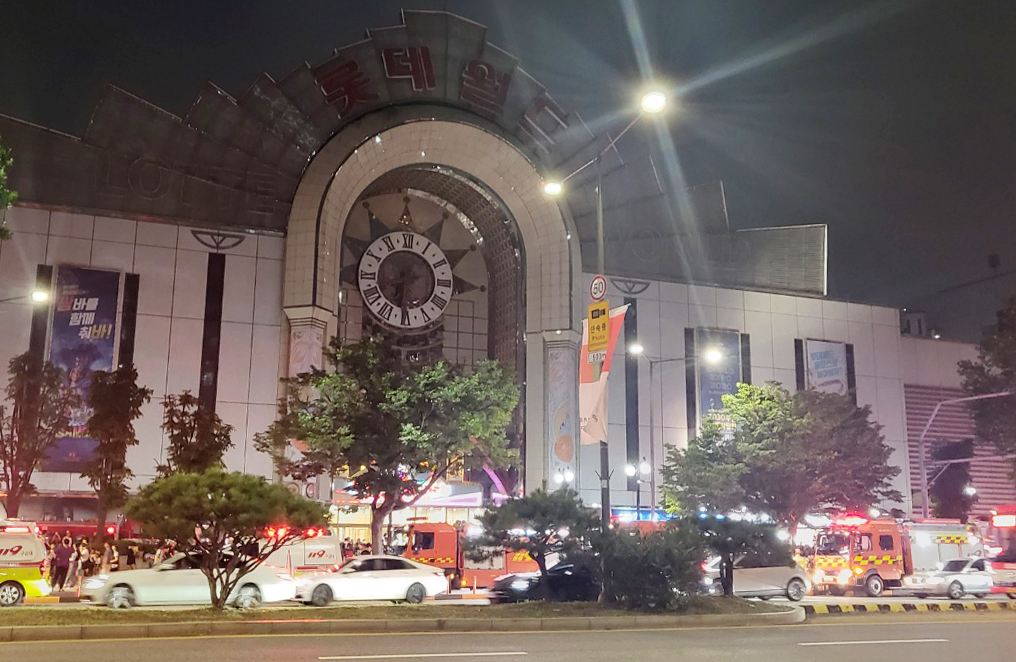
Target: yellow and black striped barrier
[[901, 607]]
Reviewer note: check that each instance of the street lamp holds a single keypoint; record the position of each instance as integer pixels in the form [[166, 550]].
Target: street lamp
[[37, 296], [637, 472], [711, 355], [922, 466], [653, 101], [970, 490]]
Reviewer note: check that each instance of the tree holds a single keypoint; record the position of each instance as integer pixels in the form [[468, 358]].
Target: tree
[[949, 498], [656, 570], [7, 196], [541, 524], [729, 538], [39, 404], [395, 426], [196, 438], [232, 512], [115, 400], [788, 455], [994, 371]]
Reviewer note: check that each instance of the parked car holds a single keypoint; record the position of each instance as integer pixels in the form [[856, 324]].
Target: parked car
[[956, 578], [179, 581], [373, 578], [757, 577], [566, 582]]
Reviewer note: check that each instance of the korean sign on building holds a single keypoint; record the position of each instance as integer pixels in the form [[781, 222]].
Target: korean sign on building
[[826, 366], [714, 380], [82, 340]]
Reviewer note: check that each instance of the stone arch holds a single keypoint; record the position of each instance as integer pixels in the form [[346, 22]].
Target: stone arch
[[400, 137]]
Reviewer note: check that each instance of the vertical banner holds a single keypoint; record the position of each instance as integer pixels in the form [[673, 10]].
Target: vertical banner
[[561, 414], [718, 379], [593, 381], [826, 366], [82, 340]]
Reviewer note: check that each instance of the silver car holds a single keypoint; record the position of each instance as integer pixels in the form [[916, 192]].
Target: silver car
[[956, 578], [757, 578]]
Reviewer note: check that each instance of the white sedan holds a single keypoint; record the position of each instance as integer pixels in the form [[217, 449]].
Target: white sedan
[[179, 581], [373, 578], [955, 579]]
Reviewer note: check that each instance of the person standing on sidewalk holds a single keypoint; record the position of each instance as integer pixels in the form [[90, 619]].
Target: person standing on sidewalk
[[61, 563]]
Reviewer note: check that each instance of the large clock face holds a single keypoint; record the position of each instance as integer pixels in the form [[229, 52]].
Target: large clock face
[[405, 280]]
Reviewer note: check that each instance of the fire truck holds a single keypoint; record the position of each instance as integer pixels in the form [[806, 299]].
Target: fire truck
[[1003, 529], [857, 554], [441, 545]]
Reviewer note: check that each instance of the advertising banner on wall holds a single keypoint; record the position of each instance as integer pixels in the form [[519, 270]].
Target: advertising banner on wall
[[826, 366], [82, 340], [713, 381], [593, 381]]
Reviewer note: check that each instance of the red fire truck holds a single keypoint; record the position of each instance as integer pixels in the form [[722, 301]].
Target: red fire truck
[[1003, 529], [441, 545], [856, 553]]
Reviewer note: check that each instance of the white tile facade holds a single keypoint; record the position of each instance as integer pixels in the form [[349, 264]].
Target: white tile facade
[[173, 268], [772, 322]]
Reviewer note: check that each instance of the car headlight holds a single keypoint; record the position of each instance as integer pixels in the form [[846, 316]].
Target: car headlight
[[520, 584], [843, 576], [708, 581]]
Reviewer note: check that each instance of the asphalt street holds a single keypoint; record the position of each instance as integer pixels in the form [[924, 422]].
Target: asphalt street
[[977, 636]]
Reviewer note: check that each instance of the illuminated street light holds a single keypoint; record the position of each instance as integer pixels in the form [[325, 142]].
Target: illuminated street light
[[630, 470], [653, 101], [40, 296], [552, 187], [635, 349], [970, 490], [712, 356]]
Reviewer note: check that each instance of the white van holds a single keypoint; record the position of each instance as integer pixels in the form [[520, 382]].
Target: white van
[[308, 555]]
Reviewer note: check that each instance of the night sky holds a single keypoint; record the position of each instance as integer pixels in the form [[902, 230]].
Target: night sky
[[892, 122]]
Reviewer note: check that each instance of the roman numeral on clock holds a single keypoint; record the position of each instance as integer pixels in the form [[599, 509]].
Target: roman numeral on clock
[[405, 317], [426, 317], [386, 311], [443, 282], [368, 275], [371, 294], [407, 240], [388, 242], [439, 301], [440, 263]]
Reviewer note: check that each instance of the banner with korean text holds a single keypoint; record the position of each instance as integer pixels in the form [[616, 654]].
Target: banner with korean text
[[593, 381], [826, 364], [714, 380], [82, 340]]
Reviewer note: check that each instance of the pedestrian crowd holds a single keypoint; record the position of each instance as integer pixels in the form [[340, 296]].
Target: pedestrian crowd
[[72, 559]]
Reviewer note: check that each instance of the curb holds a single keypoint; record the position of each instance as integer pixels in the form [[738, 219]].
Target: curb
[[902, 607], [351, 626]]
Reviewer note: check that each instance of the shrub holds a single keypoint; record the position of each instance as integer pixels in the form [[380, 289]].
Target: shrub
[[656, 571]]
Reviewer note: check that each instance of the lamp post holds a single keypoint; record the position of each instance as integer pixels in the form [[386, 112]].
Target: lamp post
[[638, 471], [711, 356], [922, 465], [652, 102]]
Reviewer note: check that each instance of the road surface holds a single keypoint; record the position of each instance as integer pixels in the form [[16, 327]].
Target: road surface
[[927, 639]]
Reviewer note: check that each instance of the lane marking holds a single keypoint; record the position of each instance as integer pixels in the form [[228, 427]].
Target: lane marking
[[400, 656], [873, 641]]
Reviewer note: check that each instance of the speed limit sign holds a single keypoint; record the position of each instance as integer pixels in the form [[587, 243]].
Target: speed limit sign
[[598, 288]]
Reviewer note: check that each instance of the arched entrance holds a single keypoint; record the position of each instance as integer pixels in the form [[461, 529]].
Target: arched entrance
[[527, 244]]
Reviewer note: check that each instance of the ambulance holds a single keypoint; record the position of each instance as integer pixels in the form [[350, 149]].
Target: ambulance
[[858, 554], [315, 551], [441, 546], [22, 563]]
